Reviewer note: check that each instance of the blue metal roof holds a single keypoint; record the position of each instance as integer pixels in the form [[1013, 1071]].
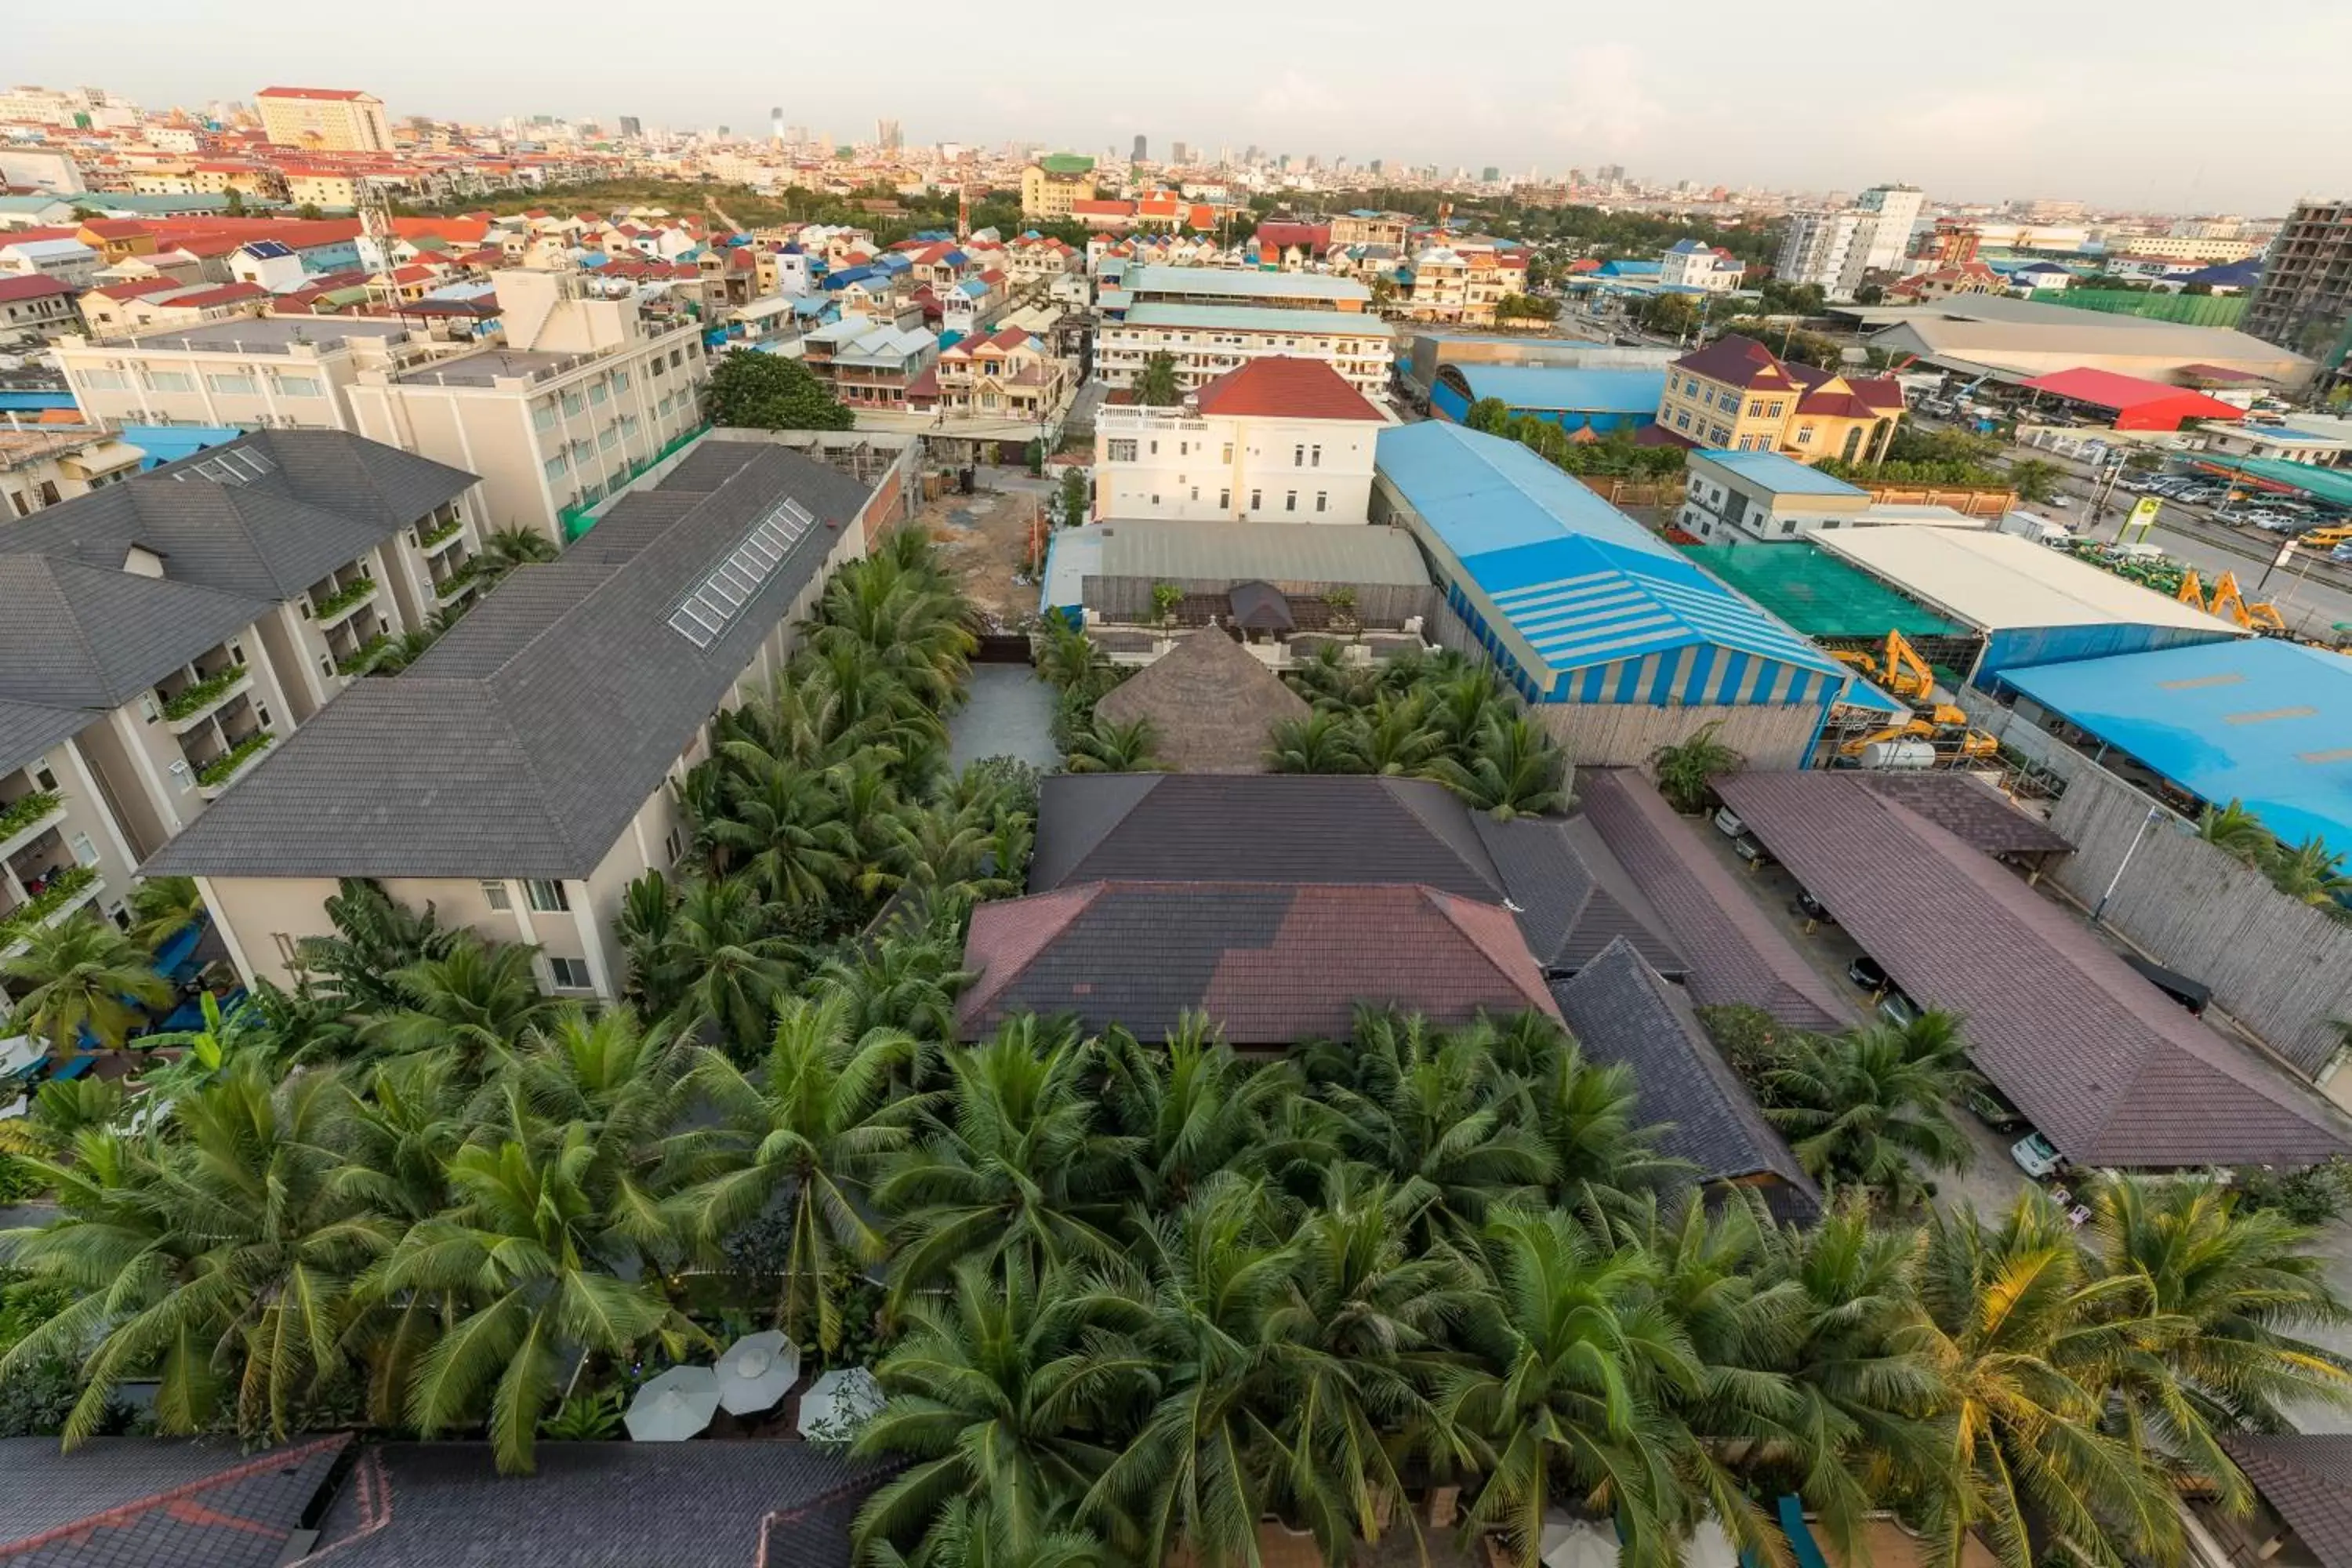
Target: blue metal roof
[[1781, 476], [2255, 719], [1567, 390], [170, 443], [1581, 583]]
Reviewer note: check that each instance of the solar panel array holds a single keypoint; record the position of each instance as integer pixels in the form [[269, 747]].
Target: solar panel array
[[721, 596], [235, 466]]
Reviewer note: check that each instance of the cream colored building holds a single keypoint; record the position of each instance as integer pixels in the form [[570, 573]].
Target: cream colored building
[[2184, 247], [1277, 440], [1053, 185], [328, 119], [524, 772], [46, 468], [1207, 340]]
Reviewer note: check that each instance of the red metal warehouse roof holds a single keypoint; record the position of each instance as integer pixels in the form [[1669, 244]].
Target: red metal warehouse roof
[[2138, 405]]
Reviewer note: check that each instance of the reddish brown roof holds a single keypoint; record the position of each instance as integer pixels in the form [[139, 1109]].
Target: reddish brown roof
[[2107, 1067], [31, 286], [2307, 1479], [1737, 955], [1875, 393], [1735, 361], [335, 93], [1272, 964], [1287, 388]]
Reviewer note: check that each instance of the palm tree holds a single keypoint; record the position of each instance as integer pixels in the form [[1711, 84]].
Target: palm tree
[[1686, 771], [479, 998], [1066, 657], [724, 962], [375, 937], [1872, 1106], [1013, 1160], [82, 975], [2023, 1339], [1193, 1108], [541, 1259], [1396, 738], [1322, 742], [1515, 770], [782, 826], [223, 1261], [164, 907], [813, 1130], [1109, 748], [905, 980], [2313, 873], [1567, 1399], [998, 1393], [397, 654], [2235, 831], [505, 548]]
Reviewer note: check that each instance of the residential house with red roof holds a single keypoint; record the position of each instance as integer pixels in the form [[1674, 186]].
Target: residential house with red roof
[[1736, 395], [1280, 439], [1009, 375]]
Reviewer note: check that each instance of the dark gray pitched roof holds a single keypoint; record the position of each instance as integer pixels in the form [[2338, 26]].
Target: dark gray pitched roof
[[1980, 816], [2102, 1062], [1621, 1010], [137, 1502], [324, 499], [1281, 828], [29, 728], [1571, 896], [597, 1505], [78, 636], [2307, 1481], [1736, 953], [523, 744]]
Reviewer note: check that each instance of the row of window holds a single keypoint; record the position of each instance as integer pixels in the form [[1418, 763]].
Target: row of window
[[241, 384]]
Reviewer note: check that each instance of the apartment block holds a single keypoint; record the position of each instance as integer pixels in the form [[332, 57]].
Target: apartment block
[[326, 120], [2304, 299], [1207, 340], [523, 774], [1829, 250], [1277, 440], [1161, 285], [1894, 212], [1687, 264], [159, 637], [1054, 185]]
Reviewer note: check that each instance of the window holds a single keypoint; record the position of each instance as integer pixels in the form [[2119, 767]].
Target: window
[[1229, 453], [231, 385], [298, 385], [1183, 448], [673, 845], [1298, 457], [1805, 436], [542, 416], [495, 894], [1314, 457], [1772, 412], [1224, 500], [1155, 448], [181, 776], [1122, 451], [607, 436], [597, 392], [43, 778], [104, 380], [570, 974], [628, 424], [1196, 492], [1682, 419], [172, 380], [620, 380], [547, 897], [572, 403], [1322, 501], [676, 358], [557, 466], [1256, 499], [1290, 501], [1788, 525]]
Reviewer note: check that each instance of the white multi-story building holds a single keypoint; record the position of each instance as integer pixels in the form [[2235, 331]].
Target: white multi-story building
[[1896, 210], [1279, 440], [1207, 340], [327, 119], [1828, 248], [1687, 264]]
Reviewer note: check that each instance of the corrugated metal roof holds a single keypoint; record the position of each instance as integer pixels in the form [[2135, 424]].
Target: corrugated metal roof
[[1258, 318], [1565, 389], [2257, 719], [1782, 476], [1234, 283], [1301, 553], [1998, 580]]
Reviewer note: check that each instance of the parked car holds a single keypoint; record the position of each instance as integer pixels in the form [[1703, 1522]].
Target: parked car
[[1898, 1009], [2036, 1155], [1992, 1107], [1726, 822], [1811, 907], [1865, 973], [1750, 849]]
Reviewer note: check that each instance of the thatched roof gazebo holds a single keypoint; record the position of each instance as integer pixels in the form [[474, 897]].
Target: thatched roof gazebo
[[1211, 702]]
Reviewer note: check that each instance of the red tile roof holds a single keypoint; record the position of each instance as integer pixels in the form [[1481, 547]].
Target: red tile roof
[[32, 286], [1735, 361], [332, 94], [1287, 388], [132, 288]]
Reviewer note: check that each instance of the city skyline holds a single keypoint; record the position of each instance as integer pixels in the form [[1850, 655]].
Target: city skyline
[[2002, 118]]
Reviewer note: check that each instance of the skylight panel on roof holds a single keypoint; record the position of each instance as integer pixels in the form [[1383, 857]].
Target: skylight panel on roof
[[721, 594]]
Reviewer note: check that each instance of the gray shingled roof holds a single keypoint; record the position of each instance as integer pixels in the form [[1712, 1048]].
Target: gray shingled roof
[[29, 728], [1980, 816], [78, 636], [2104, 1064], [138, 1502], [522, 745], [1621, 1010], [1571, 896], [2307, 1481], [1737, 955], [326, 499], [712, 1504]]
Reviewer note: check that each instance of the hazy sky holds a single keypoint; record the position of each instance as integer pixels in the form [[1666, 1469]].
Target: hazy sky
[[2158, 104]]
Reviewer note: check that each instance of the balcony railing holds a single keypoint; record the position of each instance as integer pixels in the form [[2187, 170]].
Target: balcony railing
[[23, 817], [339, 604], [442, 536], [357, 661], [222, 771], [67, 890], [458, 580], [189, 706]]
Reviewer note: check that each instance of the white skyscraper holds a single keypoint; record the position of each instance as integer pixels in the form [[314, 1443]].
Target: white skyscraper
[[1897, 207]]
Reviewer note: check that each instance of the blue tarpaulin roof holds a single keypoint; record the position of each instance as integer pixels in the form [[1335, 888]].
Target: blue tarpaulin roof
[[21, 401], [2260, 721], [1548, 388], [170, 443]]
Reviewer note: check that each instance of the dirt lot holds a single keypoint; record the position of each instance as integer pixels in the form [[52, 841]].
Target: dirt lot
[[984, 538]]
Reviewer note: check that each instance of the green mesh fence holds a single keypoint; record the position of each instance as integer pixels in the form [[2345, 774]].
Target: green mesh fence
[[2187, 310], [1819, 595]]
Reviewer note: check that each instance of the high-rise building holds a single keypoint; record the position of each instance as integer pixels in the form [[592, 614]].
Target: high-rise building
[[1490, 174], [1828, 248], [888, 136], [632, 126], [776, 126], [1141, 144], [328, 119], [1376, 164], [2303, 302], [1179, 154], [1897, 207]]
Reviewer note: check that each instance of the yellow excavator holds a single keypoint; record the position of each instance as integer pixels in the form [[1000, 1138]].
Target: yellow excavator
[[2229, 603], [1897, 668], [1943, 727]]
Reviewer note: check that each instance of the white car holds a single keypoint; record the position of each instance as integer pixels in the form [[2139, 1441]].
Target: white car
[[1727, 823], [2036, 1155]]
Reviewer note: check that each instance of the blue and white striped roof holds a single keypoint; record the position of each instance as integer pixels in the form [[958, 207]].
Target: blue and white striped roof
[[1581, 583]]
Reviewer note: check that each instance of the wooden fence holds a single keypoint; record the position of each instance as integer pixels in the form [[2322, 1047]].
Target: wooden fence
[[2278, 967]]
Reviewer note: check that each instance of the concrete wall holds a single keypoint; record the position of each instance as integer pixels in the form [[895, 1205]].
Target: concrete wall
[[2281, 968]]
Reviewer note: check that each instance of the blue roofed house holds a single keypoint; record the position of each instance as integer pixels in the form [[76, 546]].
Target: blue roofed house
[[1619, 644], [1597, 401]]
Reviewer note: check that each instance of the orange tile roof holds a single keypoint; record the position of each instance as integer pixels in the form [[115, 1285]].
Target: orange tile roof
[[1280, 387]]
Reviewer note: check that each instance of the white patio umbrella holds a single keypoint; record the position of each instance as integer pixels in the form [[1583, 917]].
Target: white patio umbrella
[[1709, 1547], [674, 1407], [1576, 1543], [838, 1402], [756, 1370]]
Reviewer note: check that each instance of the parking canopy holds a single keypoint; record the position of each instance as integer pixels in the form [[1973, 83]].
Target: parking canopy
[[2331, 484]]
